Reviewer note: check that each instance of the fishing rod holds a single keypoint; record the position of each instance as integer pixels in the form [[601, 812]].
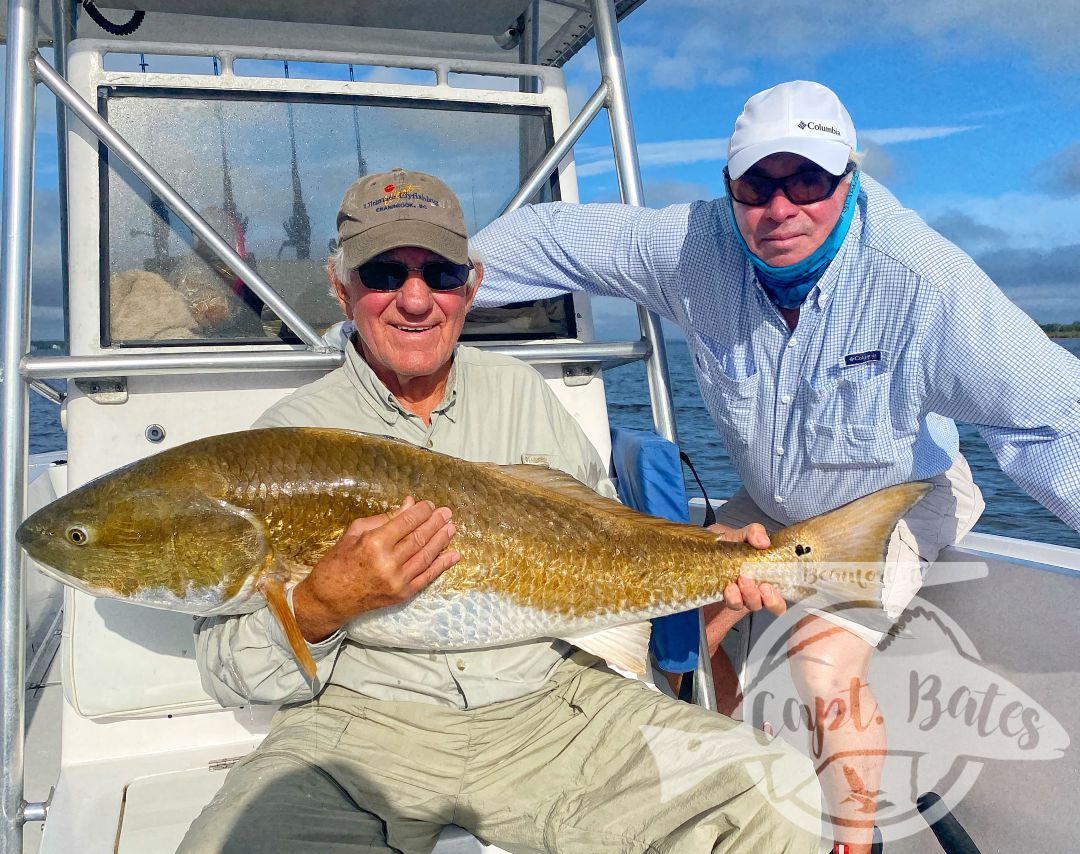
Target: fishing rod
[[361, 163], [298, 226]]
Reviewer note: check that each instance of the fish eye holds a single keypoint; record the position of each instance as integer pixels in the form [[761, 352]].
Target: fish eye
[[77, 536]]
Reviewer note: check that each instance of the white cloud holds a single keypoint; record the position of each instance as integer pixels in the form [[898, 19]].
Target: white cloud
[[1059, 174], [891, 136], [596, 160], [688, 39], [675, 152], [1027, 220]]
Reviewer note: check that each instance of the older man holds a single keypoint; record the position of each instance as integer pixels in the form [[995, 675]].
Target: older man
[[836, 338], [532, 747]]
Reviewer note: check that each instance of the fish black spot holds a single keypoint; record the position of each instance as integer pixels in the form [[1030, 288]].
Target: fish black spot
[[801, 550]]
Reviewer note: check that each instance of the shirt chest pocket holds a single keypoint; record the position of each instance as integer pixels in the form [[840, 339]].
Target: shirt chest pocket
[[730, 382], [849, 420]]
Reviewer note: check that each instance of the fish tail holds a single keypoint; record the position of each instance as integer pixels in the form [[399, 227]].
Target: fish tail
[[840, 555], [273, 589]]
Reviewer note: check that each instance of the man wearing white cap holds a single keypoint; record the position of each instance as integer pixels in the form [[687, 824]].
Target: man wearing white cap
[[836, 340]]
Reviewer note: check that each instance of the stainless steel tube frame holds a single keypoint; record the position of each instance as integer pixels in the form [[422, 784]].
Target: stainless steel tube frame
[[63, 20], [560, 149], [609, 50], [626, 164], [146, 364], [158, 185], [47, 391], [18, 228]]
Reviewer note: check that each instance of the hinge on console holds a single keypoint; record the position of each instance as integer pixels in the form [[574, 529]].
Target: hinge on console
[[578, 374], [223, 764], [104, 390]]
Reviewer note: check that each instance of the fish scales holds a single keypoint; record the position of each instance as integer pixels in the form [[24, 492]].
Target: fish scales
[[200, 527]]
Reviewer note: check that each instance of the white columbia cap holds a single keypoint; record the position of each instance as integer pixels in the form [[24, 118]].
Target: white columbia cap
[[800, 117]]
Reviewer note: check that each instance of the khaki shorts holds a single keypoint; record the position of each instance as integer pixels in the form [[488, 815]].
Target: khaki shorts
[[591, 763], [942, 518]]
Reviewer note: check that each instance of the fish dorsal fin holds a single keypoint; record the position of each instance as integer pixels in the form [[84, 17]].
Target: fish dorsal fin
[[625, 647], [567, 486]]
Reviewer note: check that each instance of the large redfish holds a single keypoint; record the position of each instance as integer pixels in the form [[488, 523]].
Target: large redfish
[[224, 525]]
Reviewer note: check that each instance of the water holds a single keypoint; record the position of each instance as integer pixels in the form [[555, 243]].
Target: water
[[45, 431], [1009, 510]]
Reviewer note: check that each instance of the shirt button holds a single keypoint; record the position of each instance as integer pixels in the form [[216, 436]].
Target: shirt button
[[792, 341], [430, 443], [460, 664], [785, 398], [779, 451], [779, 499]]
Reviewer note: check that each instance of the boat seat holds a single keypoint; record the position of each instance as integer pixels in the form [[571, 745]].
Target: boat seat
[[649, 478], [119, 659]]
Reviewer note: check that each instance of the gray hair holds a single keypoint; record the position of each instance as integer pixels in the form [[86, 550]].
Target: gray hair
[[336, 264]]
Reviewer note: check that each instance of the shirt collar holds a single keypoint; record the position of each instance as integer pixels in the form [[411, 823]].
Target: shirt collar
[[382, 400], [827, 283]]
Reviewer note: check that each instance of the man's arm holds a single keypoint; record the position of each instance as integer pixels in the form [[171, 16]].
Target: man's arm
[[246, 659], [991, 365], [612, 250]]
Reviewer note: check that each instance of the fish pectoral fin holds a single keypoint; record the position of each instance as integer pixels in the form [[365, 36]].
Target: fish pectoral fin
[[272, 587], [625, 647]]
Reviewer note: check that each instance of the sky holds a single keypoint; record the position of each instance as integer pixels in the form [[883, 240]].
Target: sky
[[968, 111]]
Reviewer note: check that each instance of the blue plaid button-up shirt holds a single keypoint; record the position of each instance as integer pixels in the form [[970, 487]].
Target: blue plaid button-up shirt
[[902, 336]]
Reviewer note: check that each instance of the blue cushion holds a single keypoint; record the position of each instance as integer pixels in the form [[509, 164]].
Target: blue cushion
[[651, 480]]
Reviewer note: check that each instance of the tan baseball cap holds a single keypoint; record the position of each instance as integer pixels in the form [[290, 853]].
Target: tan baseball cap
[[401, 208]]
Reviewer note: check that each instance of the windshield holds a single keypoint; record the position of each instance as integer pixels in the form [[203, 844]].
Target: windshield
[[268, 175]]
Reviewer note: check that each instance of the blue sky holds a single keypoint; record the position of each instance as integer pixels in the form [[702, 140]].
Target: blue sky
[[969, 112]]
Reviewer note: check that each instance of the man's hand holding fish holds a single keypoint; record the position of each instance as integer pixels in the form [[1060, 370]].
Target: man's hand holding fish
[[379, 561]]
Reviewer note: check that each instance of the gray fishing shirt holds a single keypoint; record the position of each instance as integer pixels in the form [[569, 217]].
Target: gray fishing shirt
[[495, 409]]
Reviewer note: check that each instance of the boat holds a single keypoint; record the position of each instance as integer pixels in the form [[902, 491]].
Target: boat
[[206, 145]]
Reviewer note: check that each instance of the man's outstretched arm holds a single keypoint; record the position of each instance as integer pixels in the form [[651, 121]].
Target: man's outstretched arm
[[611, 250]]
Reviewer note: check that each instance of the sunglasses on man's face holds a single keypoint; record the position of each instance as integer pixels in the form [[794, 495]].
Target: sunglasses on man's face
[[391, 275], [801, 188]]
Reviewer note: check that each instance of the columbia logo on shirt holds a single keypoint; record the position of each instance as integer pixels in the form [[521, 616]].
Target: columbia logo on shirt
[[862, 358]]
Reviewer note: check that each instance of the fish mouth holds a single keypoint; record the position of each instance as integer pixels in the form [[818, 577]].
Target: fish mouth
[[28, 533]]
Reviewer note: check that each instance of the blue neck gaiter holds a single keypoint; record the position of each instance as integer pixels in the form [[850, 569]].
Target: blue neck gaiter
[[787, 287]]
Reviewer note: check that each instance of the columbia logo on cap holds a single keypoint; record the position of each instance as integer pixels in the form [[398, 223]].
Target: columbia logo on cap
[[818, 126]]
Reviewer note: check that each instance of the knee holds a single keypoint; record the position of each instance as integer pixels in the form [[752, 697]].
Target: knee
[[828, 661]]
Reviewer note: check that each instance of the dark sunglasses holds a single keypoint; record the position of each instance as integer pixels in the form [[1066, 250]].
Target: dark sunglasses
[[391, 275], [801, 188]]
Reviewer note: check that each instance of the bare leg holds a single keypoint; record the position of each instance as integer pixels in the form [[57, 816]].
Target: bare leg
[[829, 665]]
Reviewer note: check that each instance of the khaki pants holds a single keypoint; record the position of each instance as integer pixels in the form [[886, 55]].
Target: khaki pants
[[592, 763], [942, 518]]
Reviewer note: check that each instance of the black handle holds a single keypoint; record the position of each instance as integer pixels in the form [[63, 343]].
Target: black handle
[[949, 832]]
